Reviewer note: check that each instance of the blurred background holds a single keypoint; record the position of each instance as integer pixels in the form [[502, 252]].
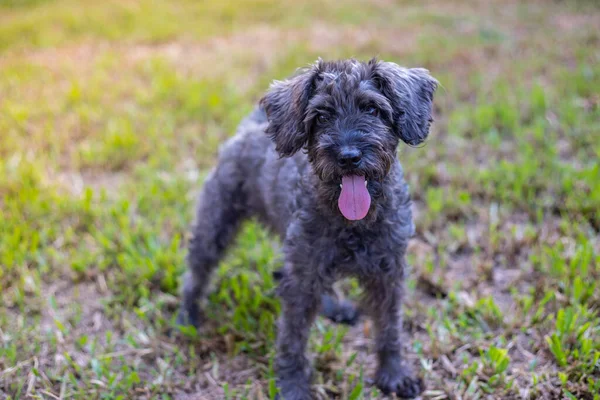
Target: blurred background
[[111, 113]]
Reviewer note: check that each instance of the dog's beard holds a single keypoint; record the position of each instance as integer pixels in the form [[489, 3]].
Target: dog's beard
[[355, 198], [354, 201], [351, 189]]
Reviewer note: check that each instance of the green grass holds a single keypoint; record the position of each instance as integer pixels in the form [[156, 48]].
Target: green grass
[[112, 112]]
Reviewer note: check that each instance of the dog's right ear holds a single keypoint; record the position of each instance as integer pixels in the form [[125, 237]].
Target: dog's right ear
[[285, 104]]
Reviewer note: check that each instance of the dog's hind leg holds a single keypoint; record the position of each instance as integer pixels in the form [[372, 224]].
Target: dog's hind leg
[[340, 312], [221, 210]]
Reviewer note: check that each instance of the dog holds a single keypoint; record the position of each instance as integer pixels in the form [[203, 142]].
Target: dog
[[316, 162]]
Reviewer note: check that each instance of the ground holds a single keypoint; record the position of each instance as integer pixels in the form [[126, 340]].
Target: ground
[[111, 112]]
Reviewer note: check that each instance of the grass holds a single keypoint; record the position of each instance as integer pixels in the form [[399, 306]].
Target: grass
[[111, 113]]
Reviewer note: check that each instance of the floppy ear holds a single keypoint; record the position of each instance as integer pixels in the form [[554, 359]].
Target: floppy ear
[[285, 104], [410, 92]]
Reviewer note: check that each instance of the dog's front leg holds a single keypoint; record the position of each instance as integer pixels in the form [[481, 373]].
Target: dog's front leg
[[300, 303], [384, 300]]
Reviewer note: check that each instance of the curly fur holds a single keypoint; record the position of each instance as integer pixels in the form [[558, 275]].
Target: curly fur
[[289, 179]]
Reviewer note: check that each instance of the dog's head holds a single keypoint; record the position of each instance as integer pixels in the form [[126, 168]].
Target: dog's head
[[349, 116]]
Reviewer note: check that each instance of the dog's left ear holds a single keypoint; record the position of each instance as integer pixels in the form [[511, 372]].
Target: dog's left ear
[[285, 104], [410, 92]]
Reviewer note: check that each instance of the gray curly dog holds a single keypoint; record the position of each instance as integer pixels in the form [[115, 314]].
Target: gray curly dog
[[316, 163]]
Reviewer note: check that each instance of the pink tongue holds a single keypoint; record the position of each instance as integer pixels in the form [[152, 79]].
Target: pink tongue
[[354, 201]]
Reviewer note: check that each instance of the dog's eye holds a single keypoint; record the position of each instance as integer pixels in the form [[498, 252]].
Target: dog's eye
[[373, 111], [322, 118]]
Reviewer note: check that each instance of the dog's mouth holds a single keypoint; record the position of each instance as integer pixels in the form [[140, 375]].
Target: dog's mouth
[[355, 200]]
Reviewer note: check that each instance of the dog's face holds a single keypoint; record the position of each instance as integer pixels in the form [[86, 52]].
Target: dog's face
[[349, 117]]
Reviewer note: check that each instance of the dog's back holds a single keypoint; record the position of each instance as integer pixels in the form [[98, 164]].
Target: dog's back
[[267, 182]]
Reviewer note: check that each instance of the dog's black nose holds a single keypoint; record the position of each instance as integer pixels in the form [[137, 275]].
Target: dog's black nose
[[349, 157]]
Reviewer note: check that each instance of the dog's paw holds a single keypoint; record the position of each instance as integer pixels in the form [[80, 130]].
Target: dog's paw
[[342, 312], [294, 391], [399, 380], [188, 318]]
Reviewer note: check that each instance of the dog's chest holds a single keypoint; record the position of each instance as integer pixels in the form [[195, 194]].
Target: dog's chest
[[364, 253]]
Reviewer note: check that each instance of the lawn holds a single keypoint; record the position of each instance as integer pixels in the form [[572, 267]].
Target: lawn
[[111, 113]]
